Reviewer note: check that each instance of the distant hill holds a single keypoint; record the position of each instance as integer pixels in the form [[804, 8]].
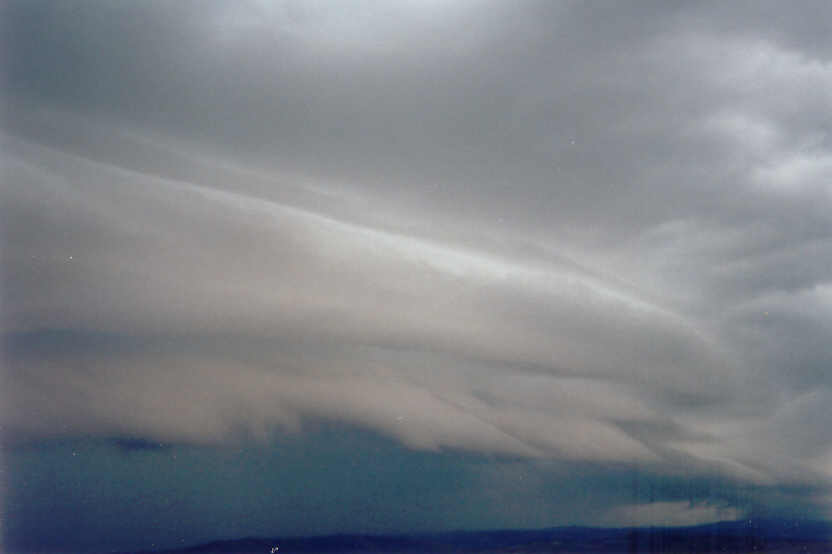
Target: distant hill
[[748, 536]]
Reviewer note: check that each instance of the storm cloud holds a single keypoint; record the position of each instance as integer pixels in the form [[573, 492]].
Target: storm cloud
[[558, 232]]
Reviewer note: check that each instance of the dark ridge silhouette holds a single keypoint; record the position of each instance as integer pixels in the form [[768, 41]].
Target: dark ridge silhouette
[[746, 536]]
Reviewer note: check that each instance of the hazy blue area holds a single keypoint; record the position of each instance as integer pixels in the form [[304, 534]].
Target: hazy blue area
[[122, 494]]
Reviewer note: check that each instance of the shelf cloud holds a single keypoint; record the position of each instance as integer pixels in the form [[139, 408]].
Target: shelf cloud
[[553, 232]]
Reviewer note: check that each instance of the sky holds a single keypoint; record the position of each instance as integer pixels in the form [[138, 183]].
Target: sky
[[296, 267]]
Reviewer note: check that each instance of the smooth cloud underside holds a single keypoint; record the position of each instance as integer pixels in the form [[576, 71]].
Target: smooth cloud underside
[[515, 238]]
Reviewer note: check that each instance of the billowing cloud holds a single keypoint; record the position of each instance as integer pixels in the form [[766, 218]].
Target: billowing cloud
[[549, 232]]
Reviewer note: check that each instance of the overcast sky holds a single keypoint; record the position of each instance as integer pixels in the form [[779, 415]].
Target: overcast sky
[[546, 256]]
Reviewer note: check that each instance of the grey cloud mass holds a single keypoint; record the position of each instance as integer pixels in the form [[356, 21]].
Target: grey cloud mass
[[559, 232]]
